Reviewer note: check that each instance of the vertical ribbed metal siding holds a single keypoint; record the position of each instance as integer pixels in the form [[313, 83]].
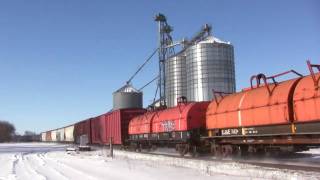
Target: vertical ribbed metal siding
[[125, 100], [209, 66], [69, 133], [43, 137], [175, 77], [54, 135], [48, 136]]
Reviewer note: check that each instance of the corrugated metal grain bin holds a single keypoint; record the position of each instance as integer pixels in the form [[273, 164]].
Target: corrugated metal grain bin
[[68, 132], [48, 136], [60, 135], [43, 136], [82, 128], [53, 135], [113, 124], [127, 97]]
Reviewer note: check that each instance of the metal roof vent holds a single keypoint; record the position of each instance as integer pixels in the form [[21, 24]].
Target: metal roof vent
[[127, 88]]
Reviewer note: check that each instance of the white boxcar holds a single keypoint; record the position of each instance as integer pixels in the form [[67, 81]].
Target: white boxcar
[[60, 135], [54, 135], [68, 132], [43, 137]]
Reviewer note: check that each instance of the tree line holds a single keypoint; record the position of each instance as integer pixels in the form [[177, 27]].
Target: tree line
[[8, 134], [7, 131]]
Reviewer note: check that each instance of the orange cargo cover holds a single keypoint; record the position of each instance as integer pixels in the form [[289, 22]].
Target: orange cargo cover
[[253, 107]]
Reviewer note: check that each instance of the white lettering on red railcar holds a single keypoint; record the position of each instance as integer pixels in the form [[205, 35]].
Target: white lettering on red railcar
[[226, 132], [168, 125]]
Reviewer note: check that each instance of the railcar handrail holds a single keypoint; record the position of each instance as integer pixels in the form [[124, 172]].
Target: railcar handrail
[[284, 73], [265, 79], [220, 93], [182, 100], [312, 73], [258, 78]]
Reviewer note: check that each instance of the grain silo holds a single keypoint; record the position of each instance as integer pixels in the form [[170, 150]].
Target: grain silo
[[127, 97], [209, 66], [175, 78]]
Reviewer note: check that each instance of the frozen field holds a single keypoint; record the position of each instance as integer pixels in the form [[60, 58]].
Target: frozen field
[[50, 161]]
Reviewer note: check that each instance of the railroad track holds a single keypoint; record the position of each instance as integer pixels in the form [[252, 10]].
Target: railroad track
[[281, 164]]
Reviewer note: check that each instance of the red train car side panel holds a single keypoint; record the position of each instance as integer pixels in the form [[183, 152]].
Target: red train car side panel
[[48, 136], [113, 125], [97, 130], [141, 124], [82, 128]]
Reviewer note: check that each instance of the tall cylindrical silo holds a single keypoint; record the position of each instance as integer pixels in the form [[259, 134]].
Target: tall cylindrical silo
[[210, 66], [175, 78]]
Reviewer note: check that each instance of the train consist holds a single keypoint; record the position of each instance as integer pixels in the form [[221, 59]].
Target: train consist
[[269, 117]]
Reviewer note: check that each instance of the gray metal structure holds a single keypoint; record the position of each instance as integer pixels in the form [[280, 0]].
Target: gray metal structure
[[175, 78], [209, 66], [165, 51], [127, 97]]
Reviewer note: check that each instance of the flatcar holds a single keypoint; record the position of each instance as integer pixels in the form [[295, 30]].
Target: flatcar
[[269, 117]]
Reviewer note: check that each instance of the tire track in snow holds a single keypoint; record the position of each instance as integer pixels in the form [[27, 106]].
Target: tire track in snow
[[26, 161], [25, 171], [14, 164], [13, 174], [66, 170], [7, 166], [51, 173]]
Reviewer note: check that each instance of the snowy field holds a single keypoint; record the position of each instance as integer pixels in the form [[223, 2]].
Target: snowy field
[[50, 161]]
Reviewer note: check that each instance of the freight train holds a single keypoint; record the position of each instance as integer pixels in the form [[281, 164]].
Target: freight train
[[268, 117]]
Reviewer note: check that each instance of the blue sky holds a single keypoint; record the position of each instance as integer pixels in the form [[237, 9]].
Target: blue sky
[[61, 60]]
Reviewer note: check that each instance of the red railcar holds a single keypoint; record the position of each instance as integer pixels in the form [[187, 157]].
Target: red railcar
[[113, 125], [178, 123], [82, 128], [140, 127], [48, 136]]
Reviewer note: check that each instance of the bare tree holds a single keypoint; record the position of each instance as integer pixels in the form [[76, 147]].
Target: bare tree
[[7, 131]]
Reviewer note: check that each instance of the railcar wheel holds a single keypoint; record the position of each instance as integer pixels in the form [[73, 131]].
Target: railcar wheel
[[237, 152], [153, 147], [183, 149], [194, 151], [227, 151], [216, 151], [138, 148]]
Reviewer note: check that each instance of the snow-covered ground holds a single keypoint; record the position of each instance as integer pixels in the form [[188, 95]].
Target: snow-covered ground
[[50, 161]]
